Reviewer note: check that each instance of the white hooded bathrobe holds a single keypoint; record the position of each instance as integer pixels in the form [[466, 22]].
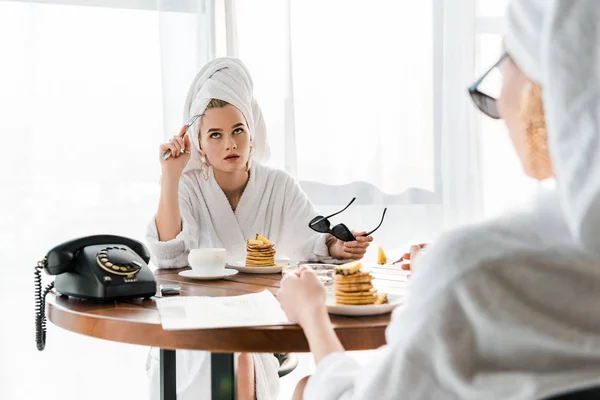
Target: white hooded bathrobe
[[509, 309], [272, 204]]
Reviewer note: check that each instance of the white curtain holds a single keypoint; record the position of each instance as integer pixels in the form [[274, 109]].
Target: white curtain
[[81, 105], [357, 107], [361, 99], [461, 175]]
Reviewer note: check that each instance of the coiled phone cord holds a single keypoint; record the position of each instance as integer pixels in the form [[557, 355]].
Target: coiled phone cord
[[40, 306]]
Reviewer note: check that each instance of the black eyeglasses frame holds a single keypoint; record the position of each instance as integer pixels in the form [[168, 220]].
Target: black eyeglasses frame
[[486, 103]]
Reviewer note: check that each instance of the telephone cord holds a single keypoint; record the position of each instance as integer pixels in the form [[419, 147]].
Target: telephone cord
[[40, 307]]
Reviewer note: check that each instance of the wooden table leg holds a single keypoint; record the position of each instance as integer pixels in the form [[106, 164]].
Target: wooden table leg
[[223, 385], [168, 373]]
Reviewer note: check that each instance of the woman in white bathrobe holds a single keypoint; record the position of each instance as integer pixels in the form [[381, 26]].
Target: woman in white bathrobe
[[215, 192], [510, 308]]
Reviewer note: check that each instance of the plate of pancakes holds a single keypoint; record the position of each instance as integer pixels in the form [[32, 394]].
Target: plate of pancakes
[[260, 258], [353, 293]]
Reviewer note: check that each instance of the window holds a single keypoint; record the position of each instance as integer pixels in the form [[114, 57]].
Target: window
[[81, 106], [504, 184], [356, 85], [75, 134]]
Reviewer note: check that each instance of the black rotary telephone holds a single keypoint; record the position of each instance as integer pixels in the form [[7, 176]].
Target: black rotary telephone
[[98, 268]]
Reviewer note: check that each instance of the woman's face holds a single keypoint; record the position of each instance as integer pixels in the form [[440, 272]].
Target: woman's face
[[224, 138], [520, 107], [509, 105]]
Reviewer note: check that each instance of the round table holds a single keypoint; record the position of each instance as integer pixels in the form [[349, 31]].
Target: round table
[[137, 322]]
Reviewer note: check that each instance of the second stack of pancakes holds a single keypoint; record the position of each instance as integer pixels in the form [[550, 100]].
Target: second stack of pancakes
[[260, 254], [355, 287]]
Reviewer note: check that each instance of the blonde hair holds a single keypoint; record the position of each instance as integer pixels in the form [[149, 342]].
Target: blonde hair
[[533, 122], [213, 103], [216, 103]]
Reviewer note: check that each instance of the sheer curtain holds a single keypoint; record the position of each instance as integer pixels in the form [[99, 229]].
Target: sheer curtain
[[364, 100], [356, 106], [81, 104]]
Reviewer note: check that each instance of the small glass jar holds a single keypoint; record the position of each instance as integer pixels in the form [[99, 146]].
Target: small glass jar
[[325, 272]]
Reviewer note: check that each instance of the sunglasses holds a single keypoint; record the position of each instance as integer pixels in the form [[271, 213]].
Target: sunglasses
[[321, 224], [486, 104]]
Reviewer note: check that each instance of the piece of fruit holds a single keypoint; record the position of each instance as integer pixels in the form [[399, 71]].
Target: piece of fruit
[[252, 241], [381, 298], [348, 268], [263, 239], [381, 257]]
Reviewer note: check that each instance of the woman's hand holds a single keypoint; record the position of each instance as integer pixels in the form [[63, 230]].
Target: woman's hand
[[354, 250], [302, 296], [409, 257], [180, 154]]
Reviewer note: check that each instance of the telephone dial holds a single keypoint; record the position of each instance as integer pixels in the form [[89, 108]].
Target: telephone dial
[[98, 268]]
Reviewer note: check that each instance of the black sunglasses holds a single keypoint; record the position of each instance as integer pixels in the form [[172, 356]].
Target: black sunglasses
[[321, 224], [487, 104]]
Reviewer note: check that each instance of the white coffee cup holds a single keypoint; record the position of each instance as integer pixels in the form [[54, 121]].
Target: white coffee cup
[[209, 261]]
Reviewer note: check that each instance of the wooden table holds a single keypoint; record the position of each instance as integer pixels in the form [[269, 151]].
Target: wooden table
[[137, 322]]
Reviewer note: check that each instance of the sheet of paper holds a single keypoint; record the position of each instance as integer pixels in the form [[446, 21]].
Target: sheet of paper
[[200, 312]]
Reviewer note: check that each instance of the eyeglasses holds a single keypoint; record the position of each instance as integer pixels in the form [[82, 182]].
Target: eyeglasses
[[321, 224], [487, 104]]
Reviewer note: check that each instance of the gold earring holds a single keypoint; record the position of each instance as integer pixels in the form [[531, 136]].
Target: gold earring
[[249, 162], [205, 168], [533, 121]]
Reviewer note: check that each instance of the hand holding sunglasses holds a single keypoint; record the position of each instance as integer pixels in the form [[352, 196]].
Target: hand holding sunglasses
[[340, 231]]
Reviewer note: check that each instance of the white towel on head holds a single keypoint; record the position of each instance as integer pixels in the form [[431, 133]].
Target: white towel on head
[[226, 79], [557, 44]]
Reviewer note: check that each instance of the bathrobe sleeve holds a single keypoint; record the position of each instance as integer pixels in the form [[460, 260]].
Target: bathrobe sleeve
[[400, 370], [173, 253]]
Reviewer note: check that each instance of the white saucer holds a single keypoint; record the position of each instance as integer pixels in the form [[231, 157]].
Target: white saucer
[[190, 273], [371, 309]]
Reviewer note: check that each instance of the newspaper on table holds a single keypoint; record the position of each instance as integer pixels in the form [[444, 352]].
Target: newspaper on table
[[201, 312]]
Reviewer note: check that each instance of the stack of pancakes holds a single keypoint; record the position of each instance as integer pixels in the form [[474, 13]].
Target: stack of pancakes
[[260, 252], [354, 287]]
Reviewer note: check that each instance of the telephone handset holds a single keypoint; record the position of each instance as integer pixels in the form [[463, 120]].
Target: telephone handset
[[60, 258], [99, 268]]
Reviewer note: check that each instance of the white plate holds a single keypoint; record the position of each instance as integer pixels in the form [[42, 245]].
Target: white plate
[[190, 273], [372, 309], [241, 266]]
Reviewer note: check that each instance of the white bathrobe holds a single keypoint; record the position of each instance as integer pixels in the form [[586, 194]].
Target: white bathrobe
[[274, 206], [509, 309]]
